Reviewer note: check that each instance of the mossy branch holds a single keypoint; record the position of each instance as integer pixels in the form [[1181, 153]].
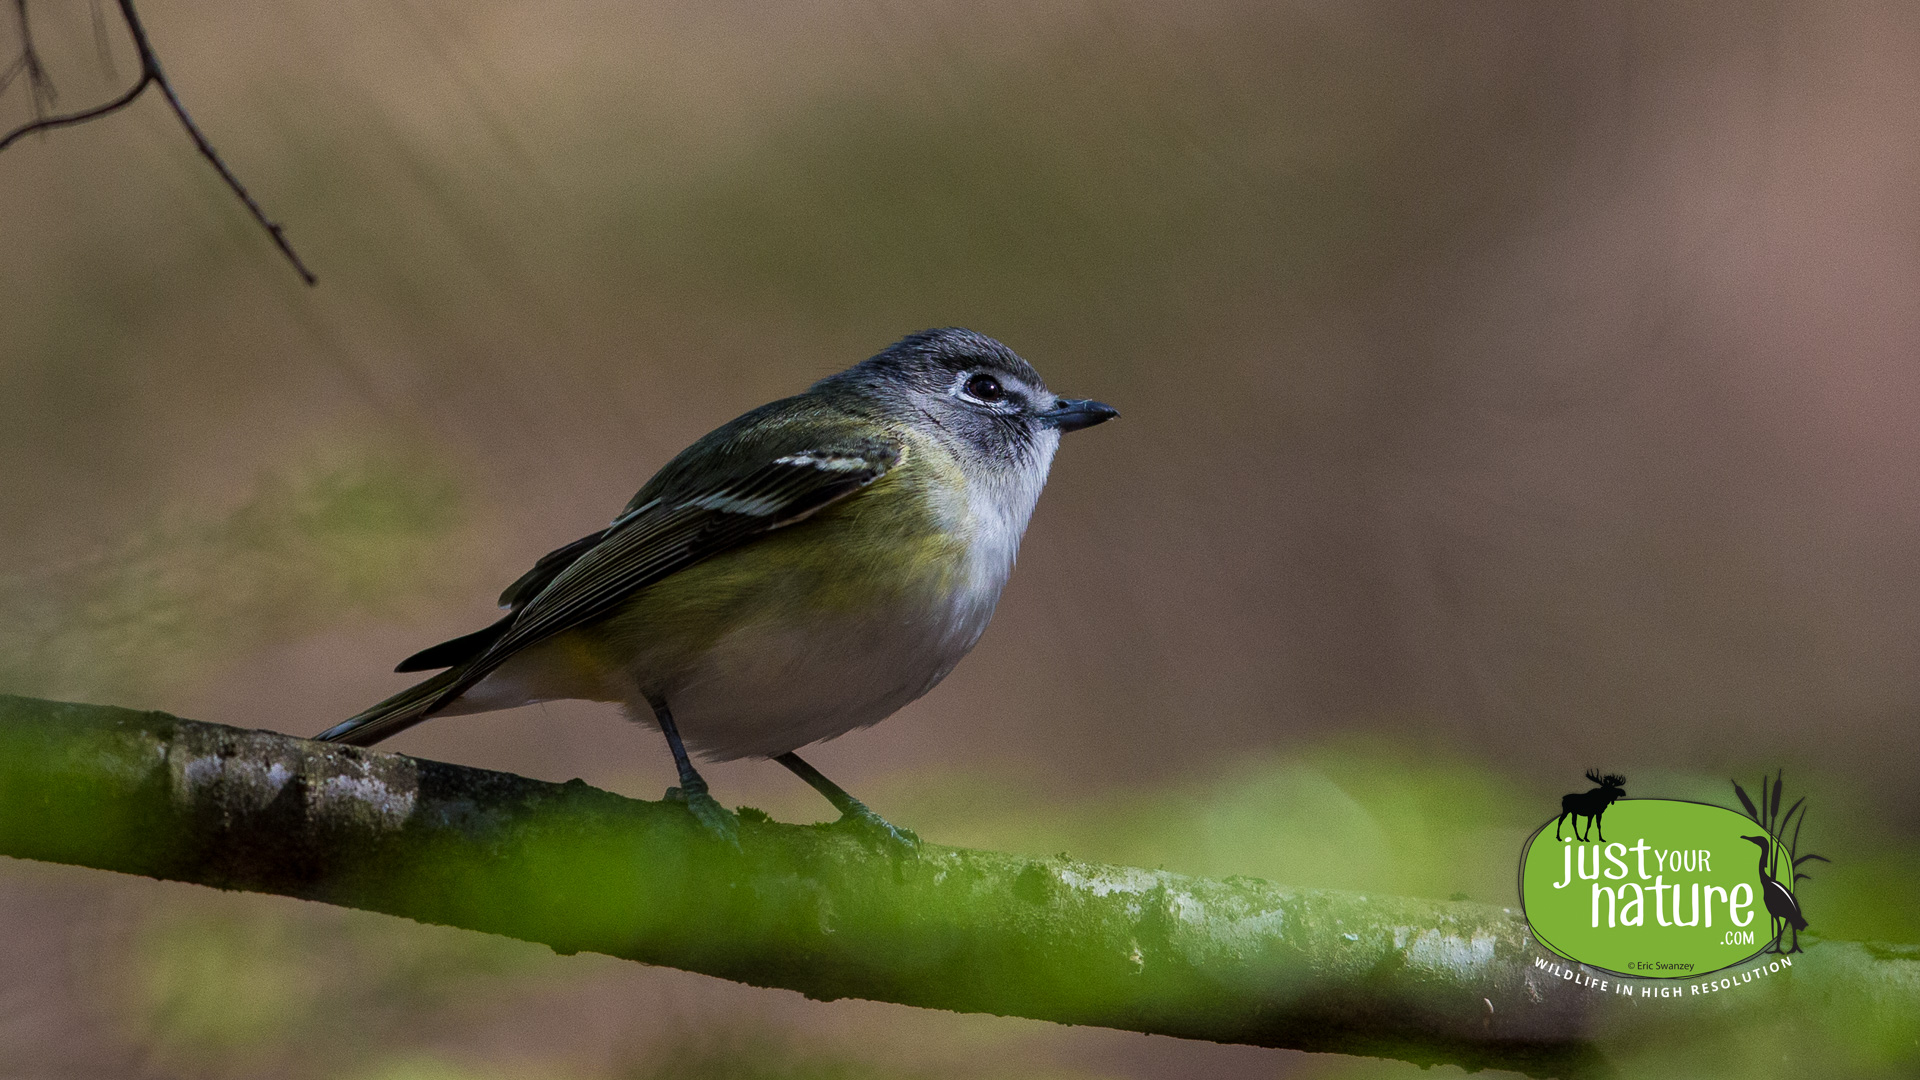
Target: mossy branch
[[806, 908]]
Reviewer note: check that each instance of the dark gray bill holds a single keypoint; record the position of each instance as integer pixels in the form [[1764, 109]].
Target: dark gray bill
[[1072, 414]]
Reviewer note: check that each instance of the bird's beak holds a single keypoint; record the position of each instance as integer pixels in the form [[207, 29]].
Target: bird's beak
[[1072, 414]]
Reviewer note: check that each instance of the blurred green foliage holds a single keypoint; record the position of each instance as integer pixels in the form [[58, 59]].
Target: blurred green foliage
[[232, 984], [346, 535], [1868, 893], [419, 1067], [720, 1054], [1373, 815], [1357, 814], [743, 1055]]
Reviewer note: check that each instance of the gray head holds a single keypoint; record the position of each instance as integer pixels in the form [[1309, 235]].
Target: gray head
[[971, 387]]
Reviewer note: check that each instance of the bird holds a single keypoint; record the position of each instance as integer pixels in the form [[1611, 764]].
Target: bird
[[802, 571], [1779, 899]]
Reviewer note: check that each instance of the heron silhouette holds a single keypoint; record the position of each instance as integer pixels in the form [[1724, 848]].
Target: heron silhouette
[[1779, 898], [1780, 902]]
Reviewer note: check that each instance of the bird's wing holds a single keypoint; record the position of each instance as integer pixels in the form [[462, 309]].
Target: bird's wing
[[669, 534], [767, 470], [528, 585], [682, 525]]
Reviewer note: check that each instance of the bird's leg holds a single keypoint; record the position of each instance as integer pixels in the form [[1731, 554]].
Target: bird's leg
[[853, 812], [693, 789]]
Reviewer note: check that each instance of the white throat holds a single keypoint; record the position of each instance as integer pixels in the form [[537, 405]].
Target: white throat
[[999, 504]]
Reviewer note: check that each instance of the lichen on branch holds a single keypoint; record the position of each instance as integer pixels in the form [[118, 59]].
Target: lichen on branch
[[808, 908]]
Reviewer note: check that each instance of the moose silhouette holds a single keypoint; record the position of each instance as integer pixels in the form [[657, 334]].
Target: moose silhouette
[[1590, 804]]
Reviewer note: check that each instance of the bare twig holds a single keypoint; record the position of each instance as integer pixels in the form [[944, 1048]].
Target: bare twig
[[39, 87], [151, 74], [102, 48]]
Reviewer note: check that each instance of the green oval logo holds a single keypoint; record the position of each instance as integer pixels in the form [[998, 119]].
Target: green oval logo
[[1666, 890]]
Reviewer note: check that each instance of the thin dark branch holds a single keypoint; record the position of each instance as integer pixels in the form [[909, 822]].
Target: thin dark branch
[[75, 118], [206, 149], [150, 65], [13, 71], [101, 46], [152, 74], [39, 87]]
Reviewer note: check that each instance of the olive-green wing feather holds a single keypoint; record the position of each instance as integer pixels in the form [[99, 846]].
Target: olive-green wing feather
[[724, 491], [529, 584], [667, 536]]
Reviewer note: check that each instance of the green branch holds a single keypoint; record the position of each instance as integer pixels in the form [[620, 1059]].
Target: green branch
[[805, 908]]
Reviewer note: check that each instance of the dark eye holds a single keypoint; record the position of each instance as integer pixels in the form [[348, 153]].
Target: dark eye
[[985, 388]]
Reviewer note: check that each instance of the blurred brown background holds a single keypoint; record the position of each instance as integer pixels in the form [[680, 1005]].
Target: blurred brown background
[[1508, 389]]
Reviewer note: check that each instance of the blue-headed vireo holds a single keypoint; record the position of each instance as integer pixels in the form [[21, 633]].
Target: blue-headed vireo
[[800, 572]]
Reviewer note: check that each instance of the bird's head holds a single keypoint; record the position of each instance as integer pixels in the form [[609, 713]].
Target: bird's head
[[971, 390], [1764, 842]]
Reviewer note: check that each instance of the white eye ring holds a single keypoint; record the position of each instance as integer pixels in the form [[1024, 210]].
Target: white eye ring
[[983, 388]]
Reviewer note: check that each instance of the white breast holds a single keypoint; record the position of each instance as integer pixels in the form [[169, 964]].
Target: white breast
[[770, 688]]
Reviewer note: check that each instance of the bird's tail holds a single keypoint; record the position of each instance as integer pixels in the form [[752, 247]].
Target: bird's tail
[[394, 715]]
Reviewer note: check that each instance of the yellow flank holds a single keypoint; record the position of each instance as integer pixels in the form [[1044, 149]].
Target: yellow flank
[[899, 545]]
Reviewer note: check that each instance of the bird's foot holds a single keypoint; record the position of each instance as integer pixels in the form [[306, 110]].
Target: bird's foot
[[706, 810], [878, 831]]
